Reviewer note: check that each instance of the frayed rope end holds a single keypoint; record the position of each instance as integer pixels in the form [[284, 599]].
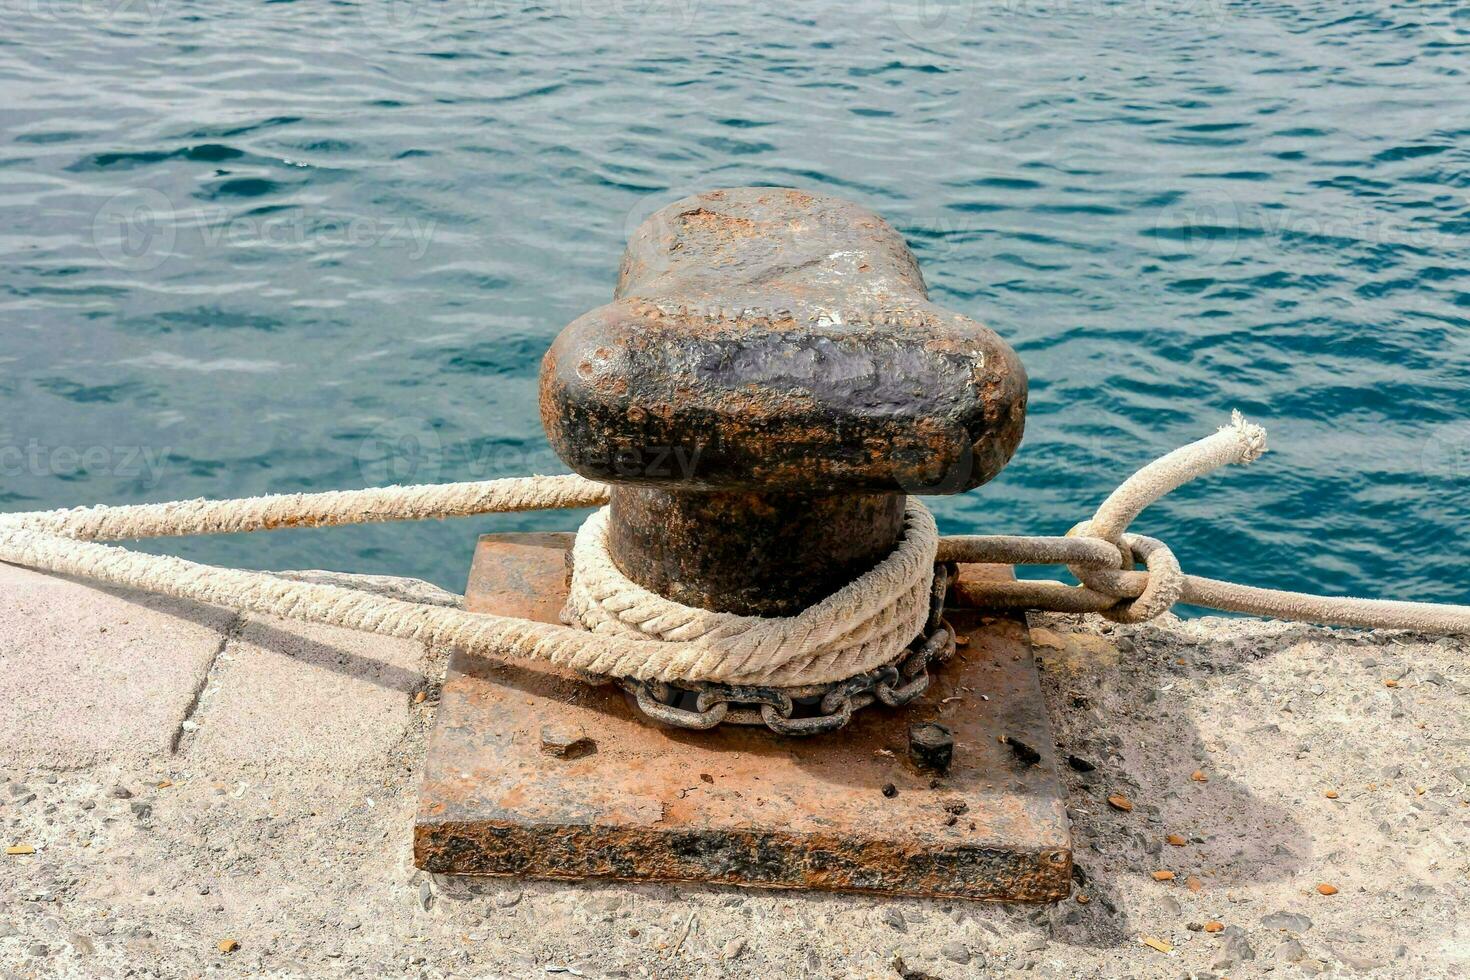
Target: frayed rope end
[[1252, 437]]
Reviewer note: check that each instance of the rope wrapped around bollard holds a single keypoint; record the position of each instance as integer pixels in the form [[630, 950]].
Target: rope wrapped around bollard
[[622, 630]]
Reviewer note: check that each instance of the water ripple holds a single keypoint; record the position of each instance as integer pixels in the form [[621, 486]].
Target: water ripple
[[297, 246]]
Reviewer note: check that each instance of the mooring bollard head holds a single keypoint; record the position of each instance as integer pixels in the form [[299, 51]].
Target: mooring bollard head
[[770, 339], [768, 382]]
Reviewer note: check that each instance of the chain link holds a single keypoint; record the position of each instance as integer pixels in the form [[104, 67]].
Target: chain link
[[815, 709]]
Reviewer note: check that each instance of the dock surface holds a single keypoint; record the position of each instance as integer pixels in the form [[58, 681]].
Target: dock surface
[[186, 790]]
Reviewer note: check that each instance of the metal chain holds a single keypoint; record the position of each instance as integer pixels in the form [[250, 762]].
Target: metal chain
[[811, 710]]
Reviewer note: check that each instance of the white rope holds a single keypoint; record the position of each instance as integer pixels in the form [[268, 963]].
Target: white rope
[[628, 631], [1101, 548], [866, 624], [333, 508]]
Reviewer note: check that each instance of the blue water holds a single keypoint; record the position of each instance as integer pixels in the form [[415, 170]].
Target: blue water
[[252, 247]]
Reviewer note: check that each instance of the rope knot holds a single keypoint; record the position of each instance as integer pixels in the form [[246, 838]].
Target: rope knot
[[1141, 595]]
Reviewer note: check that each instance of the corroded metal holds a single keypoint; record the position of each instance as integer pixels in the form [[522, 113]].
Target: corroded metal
[[818, 709], [767, 554], [776, 349], [738, 805]]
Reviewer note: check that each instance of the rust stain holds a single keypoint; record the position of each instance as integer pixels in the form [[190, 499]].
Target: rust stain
[[737, 806]]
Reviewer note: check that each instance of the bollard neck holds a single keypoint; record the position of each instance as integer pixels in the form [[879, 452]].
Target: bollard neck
[[751, 553]]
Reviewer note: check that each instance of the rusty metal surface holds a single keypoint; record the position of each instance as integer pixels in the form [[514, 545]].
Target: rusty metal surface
[[770, 554], [738, 805], [770, 339], [768, 381]]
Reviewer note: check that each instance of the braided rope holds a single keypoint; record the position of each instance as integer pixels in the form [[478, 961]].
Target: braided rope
[[631, 632], [1098, 552], [865, 624], [330, 509]]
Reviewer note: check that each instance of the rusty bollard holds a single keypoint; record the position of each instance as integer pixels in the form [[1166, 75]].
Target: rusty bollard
[[767, 385]]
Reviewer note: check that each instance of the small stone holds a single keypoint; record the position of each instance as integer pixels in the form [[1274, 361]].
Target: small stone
[[426, 896], [1120, 802], [566, 742], [1233, 946], [1163, 875], [1193, 883], [141, 810], [1199, 776], [16, 850], [1170, 906], [931, 746], [1292, 922], [893, 918], [507, 900], [1290, 951], [1358, 961], [1194, 926], [1080, 764], [1155, 943], [1213, 926], [1326, 889], [120, 793], [890, 790], [734, 948], [955, 952], [1177, 840], [1331, 794], [38, 949], [228, 945]]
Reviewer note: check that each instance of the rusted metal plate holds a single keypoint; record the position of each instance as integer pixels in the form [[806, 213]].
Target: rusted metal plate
[[736, 805]]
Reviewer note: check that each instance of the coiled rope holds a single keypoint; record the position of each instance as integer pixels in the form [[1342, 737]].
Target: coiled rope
[[623, 630]]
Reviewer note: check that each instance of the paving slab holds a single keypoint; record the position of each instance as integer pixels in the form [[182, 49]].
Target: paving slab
[[93, 674], [301, 693]]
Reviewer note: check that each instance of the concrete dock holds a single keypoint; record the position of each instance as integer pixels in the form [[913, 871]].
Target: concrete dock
[[188, 791]]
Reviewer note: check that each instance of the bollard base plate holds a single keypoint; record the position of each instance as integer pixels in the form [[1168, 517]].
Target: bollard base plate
[[503, 794]]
